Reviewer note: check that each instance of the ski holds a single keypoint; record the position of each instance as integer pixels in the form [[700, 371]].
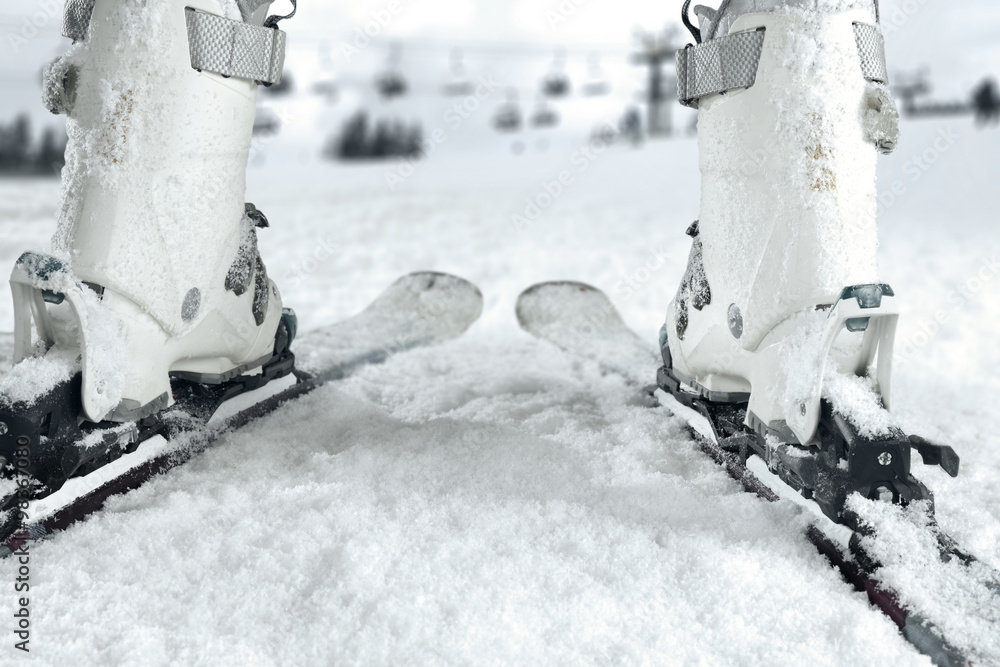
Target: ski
[[418, 310], [582, 321]]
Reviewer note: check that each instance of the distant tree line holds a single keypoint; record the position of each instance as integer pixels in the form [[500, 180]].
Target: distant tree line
[[21, 154], [359, 140]]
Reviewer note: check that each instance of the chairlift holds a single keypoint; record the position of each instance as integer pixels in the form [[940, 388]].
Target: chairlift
[[544, 116], [324, 55], [266, 123], [328, 89], [508, 117], [556, 84], [911, 84], [459, 85], [597, 85], [908, 86], [597, 88], [391, 83]]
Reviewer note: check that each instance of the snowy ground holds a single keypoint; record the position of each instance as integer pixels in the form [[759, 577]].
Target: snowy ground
[[491, 501]]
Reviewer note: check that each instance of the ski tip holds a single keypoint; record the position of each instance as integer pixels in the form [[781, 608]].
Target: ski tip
[[564, 303], [438, 280], [554, 286], [441, 297]]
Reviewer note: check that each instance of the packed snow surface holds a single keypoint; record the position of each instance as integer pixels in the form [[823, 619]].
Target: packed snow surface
[[493, 500]]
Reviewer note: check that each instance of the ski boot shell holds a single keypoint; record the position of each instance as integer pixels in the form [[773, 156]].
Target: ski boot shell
[[156, 252], [782, 283]]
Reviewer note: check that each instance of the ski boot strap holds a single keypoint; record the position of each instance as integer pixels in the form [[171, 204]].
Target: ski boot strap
[[730, 62], [218, 45]]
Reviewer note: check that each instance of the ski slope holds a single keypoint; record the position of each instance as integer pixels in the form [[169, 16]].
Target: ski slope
[[492, 501]]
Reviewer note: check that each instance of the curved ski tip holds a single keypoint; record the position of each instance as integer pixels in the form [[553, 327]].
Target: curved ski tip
[[440, 280], [556, 291], [450, 301], [563, 303]]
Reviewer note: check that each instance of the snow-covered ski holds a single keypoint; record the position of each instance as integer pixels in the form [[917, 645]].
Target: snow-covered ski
[[418, 310], [945, 602]]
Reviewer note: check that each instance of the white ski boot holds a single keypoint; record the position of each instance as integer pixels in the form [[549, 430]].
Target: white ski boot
[[155, 272], [781, 307]]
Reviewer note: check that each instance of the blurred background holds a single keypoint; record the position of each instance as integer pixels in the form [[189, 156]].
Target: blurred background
[[374, 79]]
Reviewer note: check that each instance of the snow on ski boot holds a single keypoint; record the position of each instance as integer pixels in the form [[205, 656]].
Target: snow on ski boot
[[781, 312], [155, 273]]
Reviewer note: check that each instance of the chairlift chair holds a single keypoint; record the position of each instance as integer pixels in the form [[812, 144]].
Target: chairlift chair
[[459, 85]]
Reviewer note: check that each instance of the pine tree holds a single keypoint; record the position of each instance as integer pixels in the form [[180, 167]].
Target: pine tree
[[15, 145], [353, 141], [51, 155]]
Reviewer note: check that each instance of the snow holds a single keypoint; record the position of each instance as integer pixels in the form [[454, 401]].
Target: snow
[[857, 399], [961, 605], [35, 377], [492, 500]]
